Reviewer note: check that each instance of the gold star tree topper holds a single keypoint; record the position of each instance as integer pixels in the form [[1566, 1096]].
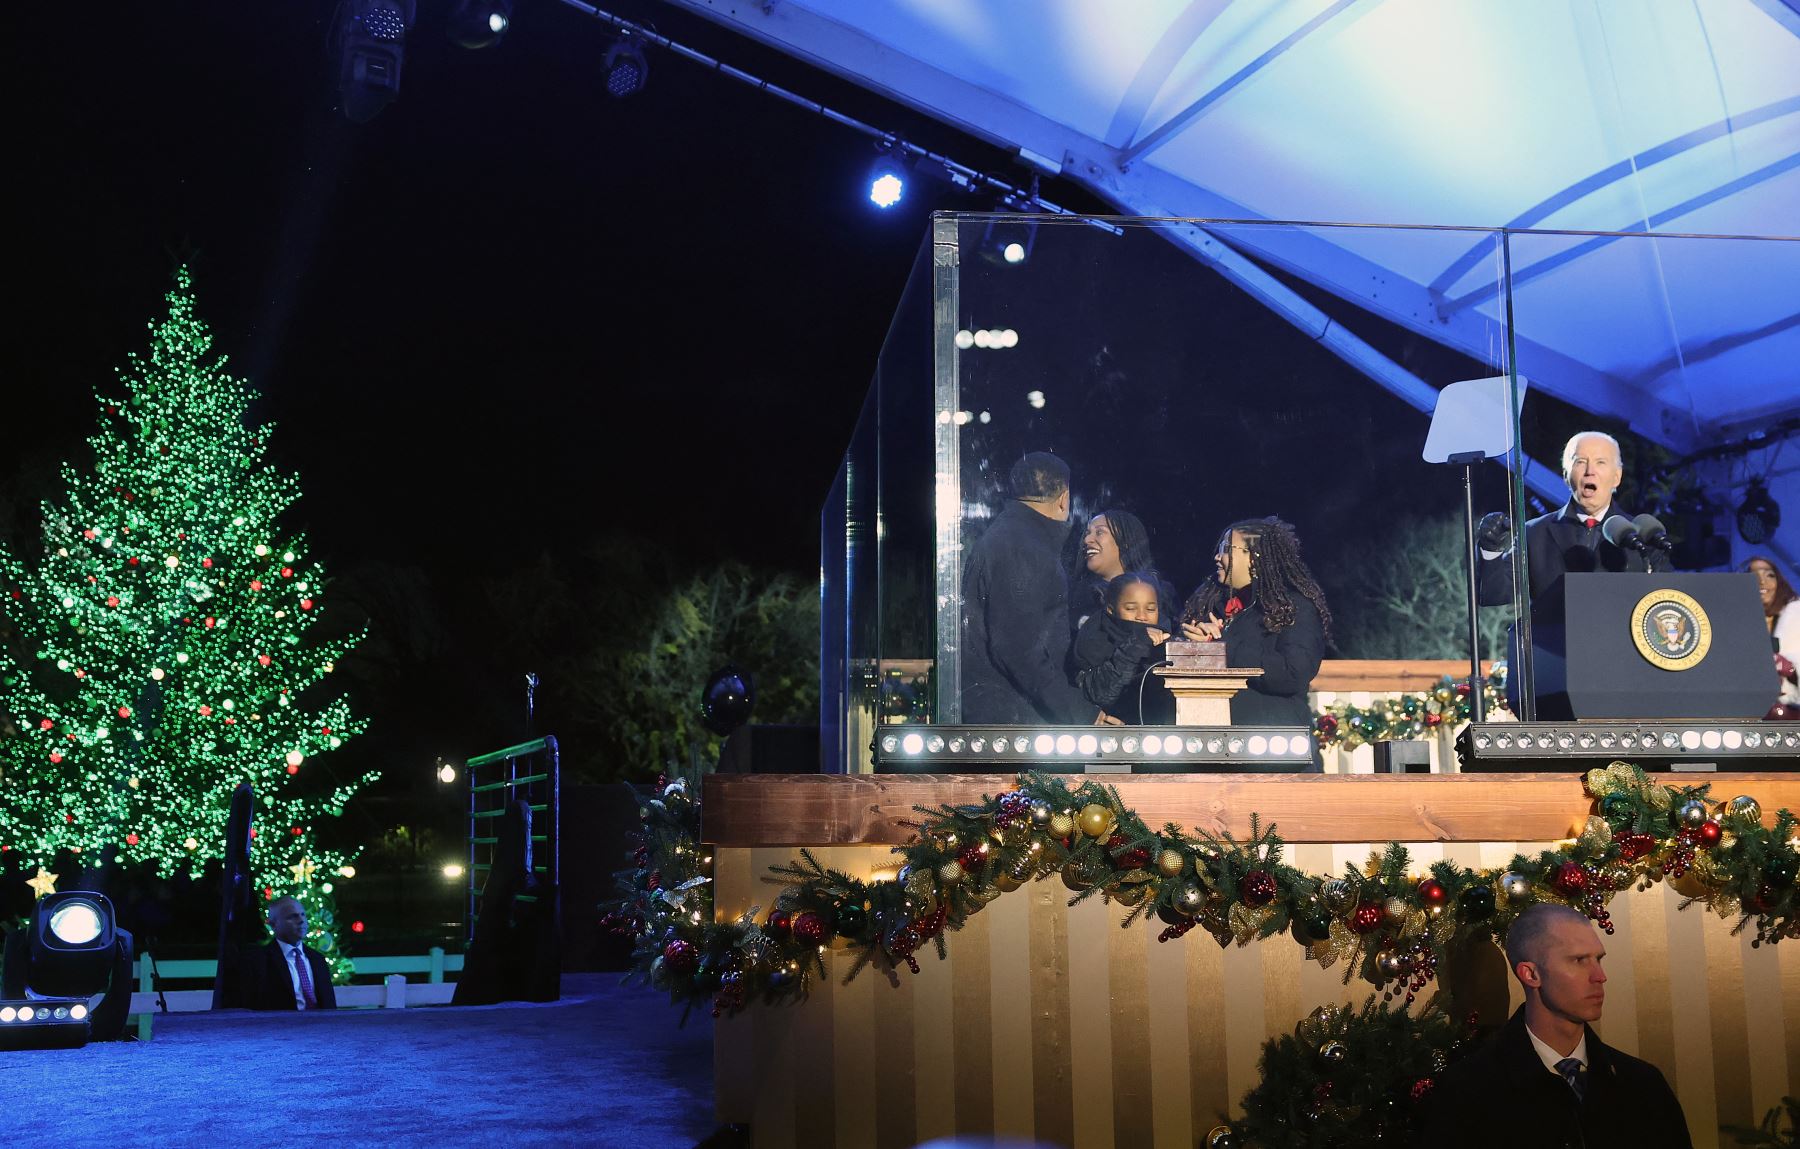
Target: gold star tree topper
[[44, 883]]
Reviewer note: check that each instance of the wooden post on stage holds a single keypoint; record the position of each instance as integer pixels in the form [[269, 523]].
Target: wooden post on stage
[[1201, 682]]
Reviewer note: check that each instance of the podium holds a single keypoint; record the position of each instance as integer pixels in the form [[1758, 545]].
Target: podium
[[1612, 645]]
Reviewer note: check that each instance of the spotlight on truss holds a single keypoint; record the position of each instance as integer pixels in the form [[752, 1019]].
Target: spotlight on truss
[[479, 23], [368, 39], [1759, 514], [887, 182], [625, 68]]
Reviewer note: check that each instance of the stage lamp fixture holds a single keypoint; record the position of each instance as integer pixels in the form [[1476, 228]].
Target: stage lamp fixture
[[958, 749], [1759, 514], [887, 182], [67, 953], [625, 68], [368, 38], [479, 23]]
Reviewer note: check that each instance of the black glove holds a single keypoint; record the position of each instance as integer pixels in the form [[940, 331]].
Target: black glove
[[1494, 532]]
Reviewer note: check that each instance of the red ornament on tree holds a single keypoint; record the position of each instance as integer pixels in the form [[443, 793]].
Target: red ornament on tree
[[112, 600], [306, 604], [293, 769], [131, 562], [207, 563], [1367, 917], [45, 724], [1420, 1088], [55, 757], [780, 924], [131, 839], [263, 659], [205, 711], [971, 857], [287, 572], [1709, 833], [211, 622], [1433, 718], [1326, 724], [1633, 847], [680, 958], [356, 927], [124, 712], [1569, 879], [1433, 893], [1257, 888], [810, 929], [255, 584]]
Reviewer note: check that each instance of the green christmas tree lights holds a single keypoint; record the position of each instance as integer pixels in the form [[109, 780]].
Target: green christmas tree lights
[[162, 632]]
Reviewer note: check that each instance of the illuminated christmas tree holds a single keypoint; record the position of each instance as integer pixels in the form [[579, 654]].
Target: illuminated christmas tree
[[164, 625]]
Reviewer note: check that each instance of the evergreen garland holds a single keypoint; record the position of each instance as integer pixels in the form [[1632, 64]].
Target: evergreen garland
[[1379, 920]]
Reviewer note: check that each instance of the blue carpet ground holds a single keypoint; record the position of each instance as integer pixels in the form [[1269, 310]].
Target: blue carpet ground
[[606, 1066]]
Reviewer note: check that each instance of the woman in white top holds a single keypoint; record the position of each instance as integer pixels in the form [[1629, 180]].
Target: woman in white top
[[1781, 610]]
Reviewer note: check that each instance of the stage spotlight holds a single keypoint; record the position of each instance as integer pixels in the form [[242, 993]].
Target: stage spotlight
[[1758, 515], [479, 23], [368, 38], [68, 952], [887, 182], [1008, 242], [625, 68]]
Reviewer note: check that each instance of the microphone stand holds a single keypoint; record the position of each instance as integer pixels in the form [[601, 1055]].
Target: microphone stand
[[1477, 696]]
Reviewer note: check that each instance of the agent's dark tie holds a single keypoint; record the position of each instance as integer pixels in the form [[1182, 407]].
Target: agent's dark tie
[[1575, 1074], [306, 989]]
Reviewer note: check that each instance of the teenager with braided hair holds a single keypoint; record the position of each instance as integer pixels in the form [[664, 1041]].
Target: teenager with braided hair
[[1268, 609]]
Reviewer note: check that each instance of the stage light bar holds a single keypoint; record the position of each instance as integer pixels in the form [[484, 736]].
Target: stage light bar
[[43, 1023], [959, 749], [1660, 744]]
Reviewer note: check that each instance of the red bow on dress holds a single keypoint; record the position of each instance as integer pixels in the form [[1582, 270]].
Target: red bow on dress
[[1233, 605]]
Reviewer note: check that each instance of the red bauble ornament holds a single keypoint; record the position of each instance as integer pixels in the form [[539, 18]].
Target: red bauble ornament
[[124, 712], [45, 724], [1569, 879], [263, 659], [971, 857], [810, 929], [1710, 832], [131, 839], [1326, 724], [131, 562], [211, 622], [296, 830], [1367, 917], [88, 534], [1433, 893], [1433, 718], [55, 757], [206, 712], [112, 600], [1257, 888], [780, 924], [356, 927], [293, 769], [255, 584], [287, 572], [306, 604], [1421, 1087], [1633, 847], [1462, 690], [680, 958], [207, 563]]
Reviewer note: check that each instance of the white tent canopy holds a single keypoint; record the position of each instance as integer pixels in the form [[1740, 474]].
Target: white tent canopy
[[1572, 115]]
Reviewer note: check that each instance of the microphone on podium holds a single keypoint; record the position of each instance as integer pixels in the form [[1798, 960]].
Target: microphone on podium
[[1652, 532], [1621, 532]]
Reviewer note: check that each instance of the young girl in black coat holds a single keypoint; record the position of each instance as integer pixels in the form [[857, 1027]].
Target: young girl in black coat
[[1116, 648]]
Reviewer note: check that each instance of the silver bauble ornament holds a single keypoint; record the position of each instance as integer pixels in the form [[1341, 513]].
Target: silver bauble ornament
[[1337, 894], [1040, 813], [1692, 812], [1333, 1052], [1514, 886], [1190, 899]]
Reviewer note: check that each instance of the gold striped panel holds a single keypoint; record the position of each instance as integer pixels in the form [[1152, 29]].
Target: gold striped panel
[[1050, 1022]]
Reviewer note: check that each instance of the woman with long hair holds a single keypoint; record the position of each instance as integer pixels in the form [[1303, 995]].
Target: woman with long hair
[[1781, 611], [1267, 608], [1115, 541]]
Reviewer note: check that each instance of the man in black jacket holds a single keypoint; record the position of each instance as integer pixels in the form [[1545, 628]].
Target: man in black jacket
[[1546, 1080], [284, 973], [1016, 638], [1567, 539]]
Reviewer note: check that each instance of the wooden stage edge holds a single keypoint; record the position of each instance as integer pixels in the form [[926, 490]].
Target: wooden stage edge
[[741, 811]]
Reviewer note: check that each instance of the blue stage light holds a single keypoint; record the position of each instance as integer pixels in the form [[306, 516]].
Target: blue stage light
[[887, 183], [479, 23], [625, 68]]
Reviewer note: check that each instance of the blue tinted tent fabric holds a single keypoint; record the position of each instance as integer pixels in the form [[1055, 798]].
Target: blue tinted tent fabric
[[1554, 115]]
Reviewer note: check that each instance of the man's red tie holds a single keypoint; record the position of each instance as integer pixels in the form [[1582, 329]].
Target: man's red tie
[[1592, 523], [306, 989]]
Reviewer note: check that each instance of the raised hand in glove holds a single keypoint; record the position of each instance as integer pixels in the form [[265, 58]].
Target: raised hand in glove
[[1494, 532]]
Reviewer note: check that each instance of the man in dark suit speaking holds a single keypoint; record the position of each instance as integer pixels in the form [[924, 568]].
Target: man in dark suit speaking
[[1567, 539], [1546, 1080], [283, 973]]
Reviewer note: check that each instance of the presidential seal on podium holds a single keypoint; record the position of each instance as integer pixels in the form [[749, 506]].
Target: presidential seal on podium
[[1671, 630]]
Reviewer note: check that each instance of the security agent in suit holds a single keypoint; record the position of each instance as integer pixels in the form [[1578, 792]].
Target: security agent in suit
[[1546, 1080], [271, 971], [1567, 539]]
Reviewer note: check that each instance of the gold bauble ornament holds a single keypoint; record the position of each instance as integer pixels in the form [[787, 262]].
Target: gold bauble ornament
[[1061, 824], [950, 872], [1220, 1137], [1132, 894], [1095, 820], [1741, 813], [1337, 894], [1333, 1052], [1075, 878], [1005, 882], [1169, 863], [1395, 910], [1690, 884]]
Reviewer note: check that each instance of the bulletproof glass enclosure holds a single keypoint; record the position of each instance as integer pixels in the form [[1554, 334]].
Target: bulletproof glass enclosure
[[1193, 374]]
